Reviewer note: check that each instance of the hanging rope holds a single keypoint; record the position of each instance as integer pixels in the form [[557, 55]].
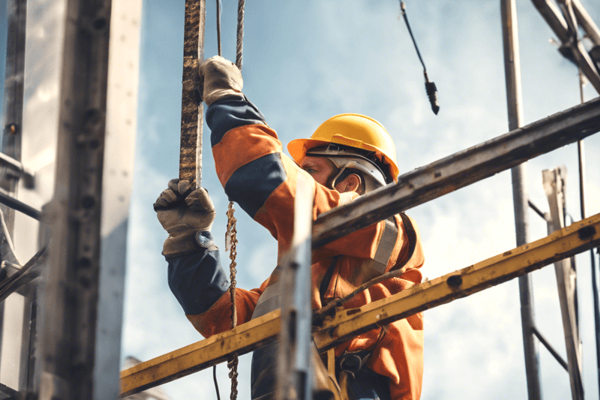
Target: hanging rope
[[231, 245], [231, 235]]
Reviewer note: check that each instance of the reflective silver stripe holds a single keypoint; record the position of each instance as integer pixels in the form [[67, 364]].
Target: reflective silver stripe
[[377, 266], [268, 300]]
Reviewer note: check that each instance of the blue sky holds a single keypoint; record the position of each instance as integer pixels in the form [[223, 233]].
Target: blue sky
[[306, 61]]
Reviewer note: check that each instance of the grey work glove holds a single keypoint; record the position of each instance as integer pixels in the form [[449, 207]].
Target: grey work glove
[[222, 79], [183, 213]]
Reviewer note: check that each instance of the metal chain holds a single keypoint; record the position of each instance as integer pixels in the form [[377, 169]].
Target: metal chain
[[232, 364], [231, 244], [231, 235]]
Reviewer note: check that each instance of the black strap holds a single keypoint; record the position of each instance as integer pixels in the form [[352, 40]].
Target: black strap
[[327, 278], [412, 239]]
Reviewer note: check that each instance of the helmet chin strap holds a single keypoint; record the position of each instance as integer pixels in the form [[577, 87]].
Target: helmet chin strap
[[333, 182], [343, 159], [368, 182]]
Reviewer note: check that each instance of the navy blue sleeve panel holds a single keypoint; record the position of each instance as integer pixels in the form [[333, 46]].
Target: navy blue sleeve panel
[[224, 115], [251, 185], [197, 280]]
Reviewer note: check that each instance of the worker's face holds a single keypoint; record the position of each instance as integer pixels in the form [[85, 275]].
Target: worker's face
[[319, 168]]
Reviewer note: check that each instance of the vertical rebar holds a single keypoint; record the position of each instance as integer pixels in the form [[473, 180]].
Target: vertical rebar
[[515, 120], [192, 114]]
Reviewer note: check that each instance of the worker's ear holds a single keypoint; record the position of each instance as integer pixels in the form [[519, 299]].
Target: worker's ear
[[350, 184]]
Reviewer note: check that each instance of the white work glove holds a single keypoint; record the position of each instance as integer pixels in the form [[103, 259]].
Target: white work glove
[[184, 213], [222, 79]]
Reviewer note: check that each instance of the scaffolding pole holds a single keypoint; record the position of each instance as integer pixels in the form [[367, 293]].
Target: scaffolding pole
[[13, 97], [70, 301], [512, 70]]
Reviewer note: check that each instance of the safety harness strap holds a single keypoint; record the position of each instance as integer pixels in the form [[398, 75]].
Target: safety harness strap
[[372, 268]]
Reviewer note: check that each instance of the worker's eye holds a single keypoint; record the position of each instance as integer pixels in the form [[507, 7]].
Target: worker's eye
[[309, 170]]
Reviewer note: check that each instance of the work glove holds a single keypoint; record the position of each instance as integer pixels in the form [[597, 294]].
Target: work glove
[[222, 79], [184, 213]]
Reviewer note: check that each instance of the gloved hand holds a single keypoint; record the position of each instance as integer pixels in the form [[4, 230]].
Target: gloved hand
[[222, 79], [183, 213]]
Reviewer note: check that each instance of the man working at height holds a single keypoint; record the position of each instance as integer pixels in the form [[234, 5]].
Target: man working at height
[[347, 156]]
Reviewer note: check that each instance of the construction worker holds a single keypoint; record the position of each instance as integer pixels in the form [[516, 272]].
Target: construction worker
[[347, 156]]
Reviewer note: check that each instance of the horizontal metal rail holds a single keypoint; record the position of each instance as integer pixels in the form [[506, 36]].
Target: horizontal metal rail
[[18, 205], [459, 170], [18, 168], [344, 324]]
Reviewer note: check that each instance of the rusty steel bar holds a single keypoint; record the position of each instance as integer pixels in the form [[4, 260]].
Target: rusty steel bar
[[192, 119]]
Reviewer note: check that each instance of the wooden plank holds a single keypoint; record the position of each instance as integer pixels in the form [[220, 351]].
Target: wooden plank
[[459, 170], [200, 355], [347, 323], [571, 240]]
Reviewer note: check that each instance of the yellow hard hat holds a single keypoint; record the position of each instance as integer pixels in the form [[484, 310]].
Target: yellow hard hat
[[353, 130]]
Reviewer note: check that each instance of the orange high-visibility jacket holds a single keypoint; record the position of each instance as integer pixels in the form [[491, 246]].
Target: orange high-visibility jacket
[[257, 175]]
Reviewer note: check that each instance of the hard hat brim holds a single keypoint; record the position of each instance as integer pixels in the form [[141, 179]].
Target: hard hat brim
[[299, 147]]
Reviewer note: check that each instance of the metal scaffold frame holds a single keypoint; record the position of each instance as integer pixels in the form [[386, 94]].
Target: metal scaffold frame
[[419, 186], [71, 310], [68, 342]]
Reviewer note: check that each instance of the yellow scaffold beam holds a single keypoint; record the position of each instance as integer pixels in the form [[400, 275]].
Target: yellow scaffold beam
[[200, 355], [344, 324], [571, 240]]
